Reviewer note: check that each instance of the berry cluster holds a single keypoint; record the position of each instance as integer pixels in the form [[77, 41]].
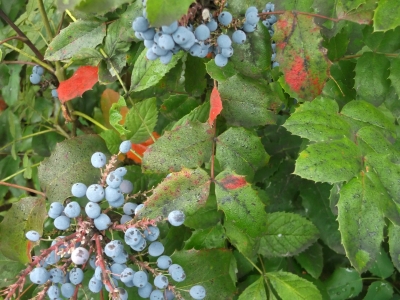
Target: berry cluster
[[60, 269], [207, 37], [270, 7], [36, 76]]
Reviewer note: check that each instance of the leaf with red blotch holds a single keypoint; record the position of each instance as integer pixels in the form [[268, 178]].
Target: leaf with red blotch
[[83, 79], [216, 106], [300, 55], [240, 203]]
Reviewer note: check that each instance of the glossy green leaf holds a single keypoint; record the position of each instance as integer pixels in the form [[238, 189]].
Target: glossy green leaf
[[241, 151], [141, 120], [205, 216], [147, 73], [247, 103], [383, 266], [371, 139], [386, 17], [395, 74], [337, 45], [78, 35], [385, 42], [253, 57], [360, 222], [318, 121], [112, 139], [214, 269], [343, 284], [99, 7], [291, 286], [116, 117], [186, 190], [195, 82], [287, 234], [163, 12], [188, 145], [394, 244], [361, 14], [88, 57], [300, 55], [330, 162], [68, 164], [255, 291], [218, 73], [243, 242], [212, 237], [27, 214], [379, 290], [312, 260], [199, 114], [315, 199], [371, 81], [240, 203]]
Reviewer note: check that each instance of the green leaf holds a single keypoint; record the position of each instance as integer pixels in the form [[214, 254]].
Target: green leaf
[[69, 164], [312, 260], [337, 45], [394, 244], [247, 103], [291, 286], [99, 7], [239, 7], [362, 14], [218, 73], [116, 117], [164, 12], [27, 214], [371, 81], [240, 239], [177, 106], [395, 74], [109, 68], [78, 35], [343, 284], [362, 113], [186, 146], [360, 222], [87, 57], [239, 202], [287, 234], [318, 121], [205, 216], [371, 139], [199, 114], [385, 42], [386, 16], [186, 190], [330, 162], [300, 55], [315, 199], [212, 237], [388, 173], [141, 120], [112, 140], [255, 291], [241, 151], [11, 91], [195, 82], [379, 290], [253, 57], [147, 73], [383, 266], [213, 269], [9, 270]]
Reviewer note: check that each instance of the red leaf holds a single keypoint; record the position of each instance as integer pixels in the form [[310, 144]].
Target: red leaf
[[216, 106], [83, 79]]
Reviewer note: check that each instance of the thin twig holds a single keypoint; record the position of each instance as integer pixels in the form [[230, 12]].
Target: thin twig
[[21, 34], [13, 38], [22, 188]]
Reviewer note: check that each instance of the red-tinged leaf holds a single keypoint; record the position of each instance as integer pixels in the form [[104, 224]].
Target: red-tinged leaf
[[300, 55], [216, 106], [232, 182], [83, 79]]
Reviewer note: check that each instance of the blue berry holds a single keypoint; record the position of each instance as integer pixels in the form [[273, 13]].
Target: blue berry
[[35, 78], [54, 93], [72, 209], [129, 208], [171, 28], [98, 160], [125, 146], [225, 18], [32, 235], [202, 32], [95, 193], [62, 222], [67, 290], [164, 262], [239, 37], [197, 292], [38, 70], [55, 210], [140, 24], [93, 210], [156, 249], [224, 41], [176, 218], [220, 60], [102, 222], [39, 275], [212, 25], [165, 59]]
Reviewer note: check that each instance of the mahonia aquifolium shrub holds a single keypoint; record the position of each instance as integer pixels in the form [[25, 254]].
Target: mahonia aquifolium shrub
[[201, 36], [60, 269]]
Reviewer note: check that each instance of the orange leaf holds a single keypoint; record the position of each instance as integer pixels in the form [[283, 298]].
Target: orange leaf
[[83, 79], [216, 106]]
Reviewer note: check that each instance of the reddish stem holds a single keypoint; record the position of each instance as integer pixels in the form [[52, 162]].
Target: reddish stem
[[22, 188]]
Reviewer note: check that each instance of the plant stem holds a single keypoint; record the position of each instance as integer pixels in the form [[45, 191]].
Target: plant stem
[[22, 39], [19, 172], [115, 71], [80, 114], [22, 188], [39, 62], [21, 34], [45, 20], [70, 15], [18, 62], [27, 137], [137, 154]]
